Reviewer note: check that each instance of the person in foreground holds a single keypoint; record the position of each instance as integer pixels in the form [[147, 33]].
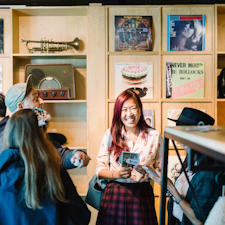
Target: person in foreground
[[128, 196], [22, 96], [3, 119], [182, 207], [35, 189]]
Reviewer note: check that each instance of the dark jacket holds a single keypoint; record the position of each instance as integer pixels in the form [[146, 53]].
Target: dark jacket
[[13, 210], [2, 127], [207, 192], [65, 153]]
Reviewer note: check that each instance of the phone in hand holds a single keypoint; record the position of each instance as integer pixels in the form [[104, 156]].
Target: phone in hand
[[150, 170]]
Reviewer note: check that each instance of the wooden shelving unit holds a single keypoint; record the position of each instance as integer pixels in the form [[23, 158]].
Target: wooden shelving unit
[[85, 119], [219, 59]]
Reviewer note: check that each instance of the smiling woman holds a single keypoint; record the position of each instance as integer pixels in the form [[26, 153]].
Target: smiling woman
[[128, 190]]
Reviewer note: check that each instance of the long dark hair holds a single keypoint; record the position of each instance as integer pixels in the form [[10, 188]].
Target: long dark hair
[[118, 142], [41, 160]]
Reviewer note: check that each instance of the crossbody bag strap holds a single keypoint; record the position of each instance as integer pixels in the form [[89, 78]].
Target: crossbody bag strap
[[109, 143]]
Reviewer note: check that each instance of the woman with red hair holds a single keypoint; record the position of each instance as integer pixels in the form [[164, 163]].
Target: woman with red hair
[[128, 197]]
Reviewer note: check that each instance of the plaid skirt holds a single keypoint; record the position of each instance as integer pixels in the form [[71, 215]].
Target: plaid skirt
[[127, 204]]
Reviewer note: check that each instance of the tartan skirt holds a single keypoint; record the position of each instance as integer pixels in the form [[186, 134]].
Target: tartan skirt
[[127, 204]]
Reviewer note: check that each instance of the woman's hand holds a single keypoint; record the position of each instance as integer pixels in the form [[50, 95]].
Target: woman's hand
[[158, 178], [123, 173]]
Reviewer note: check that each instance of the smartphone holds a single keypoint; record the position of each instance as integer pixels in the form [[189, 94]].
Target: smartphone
[[150, 170]]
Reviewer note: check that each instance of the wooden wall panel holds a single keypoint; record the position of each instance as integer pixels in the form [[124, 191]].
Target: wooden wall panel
[[96, 83]]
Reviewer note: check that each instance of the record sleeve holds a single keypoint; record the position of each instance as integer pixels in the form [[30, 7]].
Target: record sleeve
[[149, 117], [186, 33], [133, 33], [185, 80]]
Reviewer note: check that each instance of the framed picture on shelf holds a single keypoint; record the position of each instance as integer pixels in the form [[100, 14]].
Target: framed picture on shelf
[[185, 80], [185, 32], [149, 117], [133, 33], [1, 36], [137, 76]]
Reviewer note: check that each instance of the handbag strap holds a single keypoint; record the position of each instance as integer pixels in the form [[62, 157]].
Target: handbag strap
[[102, 182], [109, 143]]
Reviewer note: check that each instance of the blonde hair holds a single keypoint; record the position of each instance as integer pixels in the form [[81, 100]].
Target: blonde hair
[[41, 160]]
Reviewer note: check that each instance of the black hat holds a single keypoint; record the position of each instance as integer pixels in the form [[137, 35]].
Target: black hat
[[190, 116]]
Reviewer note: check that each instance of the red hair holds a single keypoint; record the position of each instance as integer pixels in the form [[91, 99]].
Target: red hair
[[118, 143]]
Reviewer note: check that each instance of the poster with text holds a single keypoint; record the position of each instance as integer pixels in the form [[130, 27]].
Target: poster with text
[[185, 80], [137, 76], [185, 32]]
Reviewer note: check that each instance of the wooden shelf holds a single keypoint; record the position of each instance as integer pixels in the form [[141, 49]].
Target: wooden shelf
[[4, 55], [220, 99], [188, 53], [64, 101], [47, 55], [133, 53], [51, 11], [142, 100], [187, 100]]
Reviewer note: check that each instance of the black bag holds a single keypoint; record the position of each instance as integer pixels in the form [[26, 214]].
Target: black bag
[[95, 192], [97, 187]]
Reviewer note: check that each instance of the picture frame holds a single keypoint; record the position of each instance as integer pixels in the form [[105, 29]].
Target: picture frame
[[133, 33], [185, 32]]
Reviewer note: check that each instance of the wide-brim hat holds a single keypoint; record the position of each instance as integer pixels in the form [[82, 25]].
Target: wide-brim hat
[[191, 116], [17, 93]]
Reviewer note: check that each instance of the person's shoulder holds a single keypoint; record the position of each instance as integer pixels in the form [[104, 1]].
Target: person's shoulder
[[108, 132], [153, 131]]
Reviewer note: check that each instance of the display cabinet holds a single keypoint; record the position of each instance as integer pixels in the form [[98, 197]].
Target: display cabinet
[[159, 56], [85, 119], [219, 60]]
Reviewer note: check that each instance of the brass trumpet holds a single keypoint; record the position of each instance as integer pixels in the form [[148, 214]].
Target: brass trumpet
[[45, 45]]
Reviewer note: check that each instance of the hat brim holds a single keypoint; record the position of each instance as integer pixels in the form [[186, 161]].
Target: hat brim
[[172, 119], [29, 85]]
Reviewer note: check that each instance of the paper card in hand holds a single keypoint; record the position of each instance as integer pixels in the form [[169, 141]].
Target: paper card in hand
[[150, 170], [128, 159]]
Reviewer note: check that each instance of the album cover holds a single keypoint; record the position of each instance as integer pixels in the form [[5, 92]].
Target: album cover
[[149, 117], [174, 166], [185, 80], [185, 32], [133, 33], [1, 37], [128, 159], [137, 76]]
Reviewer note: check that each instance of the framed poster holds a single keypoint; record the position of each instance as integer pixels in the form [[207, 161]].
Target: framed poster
[[149, 117], [185, 32], [137, 76], [184, 80], [1, 37], [133, 33]]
